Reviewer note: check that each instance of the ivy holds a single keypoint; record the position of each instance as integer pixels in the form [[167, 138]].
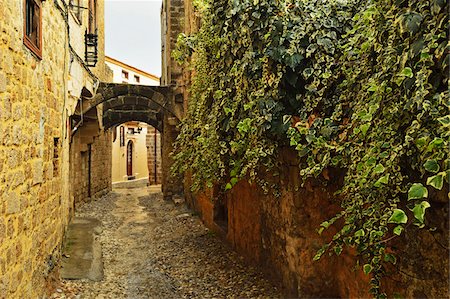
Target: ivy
[[356, 85]]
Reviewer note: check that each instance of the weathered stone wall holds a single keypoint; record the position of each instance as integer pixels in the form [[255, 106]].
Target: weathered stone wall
[[31, 101], [279, 234], [91, 166], [101, 164], [90, 146], [154, 160], [36, 99]]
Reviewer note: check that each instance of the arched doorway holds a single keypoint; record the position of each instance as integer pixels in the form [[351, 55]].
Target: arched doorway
[[130, 159]]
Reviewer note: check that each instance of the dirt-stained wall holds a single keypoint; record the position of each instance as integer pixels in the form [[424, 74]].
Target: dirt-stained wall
[[31, 101], [153, 142], [279, 233], [89, 146], [38, 93]]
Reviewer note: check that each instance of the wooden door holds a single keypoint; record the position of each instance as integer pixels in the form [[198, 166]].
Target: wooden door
[[130, 158]]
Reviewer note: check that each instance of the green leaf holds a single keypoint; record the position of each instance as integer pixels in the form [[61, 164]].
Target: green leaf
[[431, 166], [244, 125], [398, 230], [390, 258], [445, 120], [411, 22], [436, 181], [320, 252], [227, 110], [364, 128], [419, 210], [308, 72], [367, 269], [398, 216], [325, 224], [360, 233], [417, 191], [436, 143], [234, 181], [407, 72], [228, 187], [337, 249], [378, 169], [382, 181], [421, 142]]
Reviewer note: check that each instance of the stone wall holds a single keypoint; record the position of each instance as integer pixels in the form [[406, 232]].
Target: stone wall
[[31, 101], [36, 99], [154, 160], [91, 166], [279, 233], [89, 147]]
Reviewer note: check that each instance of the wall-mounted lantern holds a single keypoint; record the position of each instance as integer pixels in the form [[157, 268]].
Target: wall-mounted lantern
[[91, 50]]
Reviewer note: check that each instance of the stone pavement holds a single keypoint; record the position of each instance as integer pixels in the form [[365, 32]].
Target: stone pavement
[[156, 249]]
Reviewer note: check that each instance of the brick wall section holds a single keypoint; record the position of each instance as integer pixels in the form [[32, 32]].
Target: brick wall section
[[31, 101], [151, 158]]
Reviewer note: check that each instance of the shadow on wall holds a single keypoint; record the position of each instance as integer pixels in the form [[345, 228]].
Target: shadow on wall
[[280, 234]]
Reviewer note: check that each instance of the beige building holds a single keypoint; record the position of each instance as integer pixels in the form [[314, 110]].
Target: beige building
[[124, 73], [136, 146], [129, 152], [53, 151]]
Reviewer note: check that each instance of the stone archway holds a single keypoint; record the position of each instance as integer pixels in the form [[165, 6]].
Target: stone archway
[[154, 105]]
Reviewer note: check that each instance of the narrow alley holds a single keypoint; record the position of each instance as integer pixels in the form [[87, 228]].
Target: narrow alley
[[224, 149], [156, 249]]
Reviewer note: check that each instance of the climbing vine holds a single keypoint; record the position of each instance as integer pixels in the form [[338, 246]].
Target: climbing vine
[[356, 85]]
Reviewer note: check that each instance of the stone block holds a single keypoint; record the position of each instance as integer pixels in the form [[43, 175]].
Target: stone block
[[38, 171], [12, 203], [3, 82]]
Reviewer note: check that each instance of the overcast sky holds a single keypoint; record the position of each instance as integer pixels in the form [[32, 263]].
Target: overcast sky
[[133, 33]]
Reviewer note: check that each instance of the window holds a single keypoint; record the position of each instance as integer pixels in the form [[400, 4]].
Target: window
[[92, 28], [32, 31], [124, 74], [137, 79], [122, 136], [55, 156]]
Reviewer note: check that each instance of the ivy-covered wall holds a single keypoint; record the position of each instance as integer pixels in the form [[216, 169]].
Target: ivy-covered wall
[[355, 86], [279, 233]]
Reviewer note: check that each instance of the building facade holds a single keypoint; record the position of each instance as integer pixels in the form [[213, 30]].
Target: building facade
[[136, 146], [52, 155], [125, 73]]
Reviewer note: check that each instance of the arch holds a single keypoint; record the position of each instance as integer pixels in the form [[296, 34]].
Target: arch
[[114, 118], [113, 94], [113, 104]]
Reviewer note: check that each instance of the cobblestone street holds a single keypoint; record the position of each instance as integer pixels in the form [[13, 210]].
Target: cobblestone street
[[154, 249]]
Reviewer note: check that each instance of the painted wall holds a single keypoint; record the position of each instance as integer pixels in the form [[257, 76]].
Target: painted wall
[[143, 150], [118, 67], [119, 152]]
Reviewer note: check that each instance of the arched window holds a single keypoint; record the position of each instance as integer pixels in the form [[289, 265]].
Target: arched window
[[130, 158]]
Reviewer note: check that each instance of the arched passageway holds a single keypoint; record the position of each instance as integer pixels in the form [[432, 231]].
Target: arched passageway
[[114, 104]]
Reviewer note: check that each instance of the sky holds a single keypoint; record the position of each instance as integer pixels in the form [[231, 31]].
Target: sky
[[133, 33]]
